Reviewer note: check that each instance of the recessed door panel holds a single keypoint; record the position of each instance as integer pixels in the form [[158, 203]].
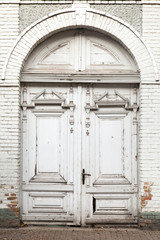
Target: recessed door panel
[[48, 144], [110, 151], [113, 146], [110, 204]]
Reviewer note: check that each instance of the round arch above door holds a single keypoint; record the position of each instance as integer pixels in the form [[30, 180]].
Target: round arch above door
[[80, 53], [79, 127]]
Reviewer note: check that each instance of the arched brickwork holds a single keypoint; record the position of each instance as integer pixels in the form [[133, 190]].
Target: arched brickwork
[[80, 16]]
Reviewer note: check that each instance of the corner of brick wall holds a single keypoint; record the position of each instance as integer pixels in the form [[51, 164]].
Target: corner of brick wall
[[8, 218], [9, 156], [9, 206], [149, 221]]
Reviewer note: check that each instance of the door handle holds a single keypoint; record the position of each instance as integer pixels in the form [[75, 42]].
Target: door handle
[[83, 175]]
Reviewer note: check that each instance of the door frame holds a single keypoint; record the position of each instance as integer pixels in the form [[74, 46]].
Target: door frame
[[80, 218]]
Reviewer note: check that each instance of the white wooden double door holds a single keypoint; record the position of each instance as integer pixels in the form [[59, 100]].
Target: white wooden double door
[[79, 154]]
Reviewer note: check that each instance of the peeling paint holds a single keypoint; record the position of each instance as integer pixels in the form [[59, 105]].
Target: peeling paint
[[13, 203], [147, 196]]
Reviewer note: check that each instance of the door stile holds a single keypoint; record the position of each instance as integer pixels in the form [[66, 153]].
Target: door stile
[[85, 152], [24, 165], [24, 139], [135, 137], [33, 147], [93, 156], [70, 140], [135, 152], [78, 156]]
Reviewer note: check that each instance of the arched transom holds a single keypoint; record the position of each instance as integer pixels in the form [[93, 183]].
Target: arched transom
[[80, 51]]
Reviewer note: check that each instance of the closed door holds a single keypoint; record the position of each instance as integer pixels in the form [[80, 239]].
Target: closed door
[[79, 154]]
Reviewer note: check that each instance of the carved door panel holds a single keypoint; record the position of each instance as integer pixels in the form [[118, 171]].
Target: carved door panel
[[48, 155], [79, 153], [109, 143]]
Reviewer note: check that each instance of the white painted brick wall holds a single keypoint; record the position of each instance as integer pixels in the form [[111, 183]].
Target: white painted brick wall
[[9, 147], [9, 113], [149, 141], [9, 28], [149, 145], [151, 29], [149, 138]]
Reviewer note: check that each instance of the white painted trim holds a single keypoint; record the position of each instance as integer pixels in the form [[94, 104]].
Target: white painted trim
[[99, 78]]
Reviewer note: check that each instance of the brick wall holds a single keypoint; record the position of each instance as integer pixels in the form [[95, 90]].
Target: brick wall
[[131, 13], [149, 126], [151, 29], [149, 142], [149, 148], [9, 155], [9, 123], [9, 28]]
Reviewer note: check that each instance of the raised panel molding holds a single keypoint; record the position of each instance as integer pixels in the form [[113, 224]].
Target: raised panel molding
[[47, 203], [47, 139], [112, 204], [113, 158]]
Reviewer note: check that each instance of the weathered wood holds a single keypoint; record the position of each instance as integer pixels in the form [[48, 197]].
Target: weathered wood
[[79, 116], [80, 78]]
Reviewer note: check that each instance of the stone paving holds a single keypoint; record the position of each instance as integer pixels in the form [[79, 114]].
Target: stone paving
[[50, 233]]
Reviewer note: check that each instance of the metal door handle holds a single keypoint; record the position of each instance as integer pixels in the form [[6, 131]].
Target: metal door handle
[[83, 175]]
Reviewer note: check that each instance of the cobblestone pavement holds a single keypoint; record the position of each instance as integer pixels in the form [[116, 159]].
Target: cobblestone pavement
[[49, 233]]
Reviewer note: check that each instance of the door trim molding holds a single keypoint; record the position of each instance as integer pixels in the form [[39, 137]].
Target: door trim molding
[[80, 78]]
